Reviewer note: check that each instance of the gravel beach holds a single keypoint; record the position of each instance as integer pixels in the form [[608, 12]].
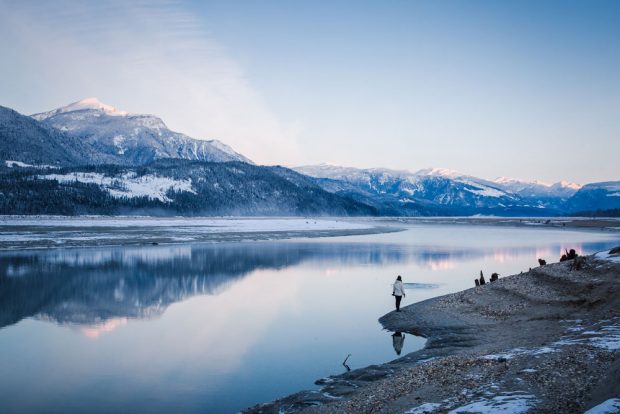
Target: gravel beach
[[543, 341]]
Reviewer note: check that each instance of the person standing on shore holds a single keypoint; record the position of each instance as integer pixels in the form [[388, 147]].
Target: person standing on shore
[[398, 292]]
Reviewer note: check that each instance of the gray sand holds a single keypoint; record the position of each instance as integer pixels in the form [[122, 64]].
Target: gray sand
[[543, 341]]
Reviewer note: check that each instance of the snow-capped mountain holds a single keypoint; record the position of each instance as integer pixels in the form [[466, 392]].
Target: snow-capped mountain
[[435, 191], [428, 191], [25, 141], [538, 189], [131, 139], [84, 104], [596, 196], [170, 186]]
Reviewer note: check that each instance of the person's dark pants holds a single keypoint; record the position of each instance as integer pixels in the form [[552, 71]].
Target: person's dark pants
[[398, 299]]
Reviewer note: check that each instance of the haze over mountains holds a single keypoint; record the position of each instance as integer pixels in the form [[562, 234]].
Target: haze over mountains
[[89, 157]]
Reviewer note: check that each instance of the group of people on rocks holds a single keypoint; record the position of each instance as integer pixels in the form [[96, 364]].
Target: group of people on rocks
[[399, 291], [481, 281]]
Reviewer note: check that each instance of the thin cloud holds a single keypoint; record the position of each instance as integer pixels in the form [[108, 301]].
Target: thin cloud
[[145, 57]]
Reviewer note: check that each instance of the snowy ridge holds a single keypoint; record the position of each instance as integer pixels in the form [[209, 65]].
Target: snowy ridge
[[441, 172], [563, 189], [445, 191], [118, 137], [85, 104], [442, 186]]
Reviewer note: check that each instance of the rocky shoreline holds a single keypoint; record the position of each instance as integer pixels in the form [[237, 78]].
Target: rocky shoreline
[[543, 341]]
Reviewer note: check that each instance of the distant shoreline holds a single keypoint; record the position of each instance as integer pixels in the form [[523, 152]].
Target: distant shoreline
[[580, 223], [547, 340], [45, 232]]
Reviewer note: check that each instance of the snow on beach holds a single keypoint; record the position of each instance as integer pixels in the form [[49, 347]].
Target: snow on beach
[[58, 231], [609, 257], [212, 224], [610, 406], [486, 399]]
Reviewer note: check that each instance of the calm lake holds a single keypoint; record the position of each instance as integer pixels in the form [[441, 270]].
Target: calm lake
[[219, 327]]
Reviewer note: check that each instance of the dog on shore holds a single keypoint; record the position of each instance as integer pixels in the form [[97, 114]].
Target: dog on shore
[[542, 262]]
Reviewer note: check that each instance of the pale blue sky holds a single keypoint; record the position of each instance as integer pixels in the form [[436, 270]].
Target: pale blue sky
[[526, 89]]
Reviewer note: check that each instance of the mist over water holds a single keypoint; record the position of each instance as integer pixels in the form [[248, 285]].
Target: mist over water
[[219, 327]]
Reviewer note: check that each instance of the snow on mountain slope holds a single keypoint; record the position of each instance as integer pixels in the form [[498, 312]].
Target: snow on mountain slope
[[128, 185], [131, 139], [538, 189], [596, 196], [443, 191], [27, 141], [437, 186], [439, 172], [174, 186]]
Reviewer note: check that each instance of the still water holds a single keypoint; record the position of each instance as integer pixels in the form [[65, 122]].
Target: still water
[[220, 327]]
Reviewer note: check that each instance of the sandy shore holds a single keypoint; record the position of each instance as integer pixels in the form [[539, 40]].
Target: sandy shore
[[544, 341]]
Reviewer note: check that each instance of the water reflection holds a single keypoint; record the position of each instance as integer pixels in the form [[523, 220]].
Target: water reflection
[[219, 327], [98, 289], [398, 340]]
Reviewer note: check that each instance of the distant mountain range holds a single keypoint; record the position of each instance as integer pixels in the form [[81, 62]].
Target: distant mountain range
[[171, 186], [438, 191], [89, 157]]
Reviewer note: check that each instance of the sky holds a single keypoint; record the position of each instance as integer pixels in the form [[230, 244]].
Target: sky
[[522, 89]]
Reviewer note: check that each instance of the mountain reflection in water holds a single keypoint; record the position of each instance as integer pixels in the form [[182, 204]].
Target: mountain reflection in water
[[219, 327], [101, 288]]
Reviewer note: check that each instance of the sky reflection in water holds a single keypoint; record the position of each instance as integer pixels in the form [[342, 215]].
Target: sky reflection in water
[[216, 328]]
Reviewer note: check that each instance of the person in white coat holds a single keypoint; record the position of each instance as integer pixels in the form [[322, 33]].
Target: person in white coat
[[398, 292]]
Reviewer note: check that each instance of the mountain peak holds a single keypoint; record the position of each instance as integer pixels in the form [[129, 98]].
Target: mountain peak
[[518, 181], [93, 103], [441, 172], [568, 184], [90, 103]]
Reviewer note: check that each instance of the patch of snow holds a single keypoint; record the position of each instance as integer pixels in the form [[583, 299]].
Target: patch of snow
[[606, 336], [611, 406], [13, 164], [206, 225], [128, 185], [615, 258], [507, 402], [486, 192], [479, 189], [504, 355], [118, 143]]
